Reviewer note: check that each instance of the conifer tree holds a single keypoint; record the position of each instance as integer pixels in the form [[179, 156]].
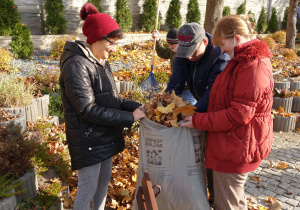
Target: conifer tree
[[55, 22], [226, 11], [148, 17], [251, 17], [173, 18], [123, 15], [285, 16], [262, 21], [9, 17], [97, 4], [241, 9], [273, 22], [193, 14], [21, 43]]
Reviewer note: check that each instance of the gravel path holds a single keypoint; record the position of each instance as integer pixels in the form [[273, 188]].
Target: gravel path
[[40, 62]]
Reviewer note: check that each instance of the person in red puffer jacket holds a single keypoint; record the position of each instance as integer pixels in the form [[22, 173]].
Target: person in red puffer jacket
[[238, 119]]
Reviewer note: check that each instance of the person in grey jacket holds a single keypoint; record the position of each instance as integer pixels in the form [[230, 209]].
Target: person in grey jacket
[[94, 114]]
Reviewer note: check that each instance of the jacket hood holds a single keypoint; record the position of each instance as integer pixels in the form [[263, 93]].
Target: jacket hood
[[252, 50], [77, 48]]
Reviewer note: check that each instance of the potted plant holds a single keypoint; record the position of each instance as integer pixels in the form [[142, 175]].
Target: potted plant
[[283, 84], [15, 94], [283, 121], [283, 99]]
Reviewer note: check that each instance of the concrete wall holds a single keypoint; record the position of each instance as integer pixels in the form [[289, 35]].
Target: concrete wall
[[32, 13]]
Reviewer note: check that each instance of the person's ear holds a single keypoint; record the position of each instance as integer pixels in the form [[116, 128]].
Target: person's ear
[[205, 41], [238, 39]]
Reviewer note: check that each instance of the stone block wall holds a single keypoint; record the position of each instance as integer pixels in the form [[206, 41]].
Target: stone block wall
[[32, 13]]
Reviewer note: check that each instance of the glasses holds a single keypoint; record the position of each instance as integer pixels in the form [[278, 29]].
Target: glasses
[[110, 42]]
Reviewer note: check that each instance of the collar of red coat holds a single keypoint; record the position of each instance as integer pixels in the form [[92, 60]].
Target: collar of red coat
[[252, 50]]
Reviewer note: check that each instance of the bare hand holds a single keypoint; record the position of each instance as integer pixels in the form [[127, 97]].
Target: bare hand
[[188, 123], [138, 114], [155, 34]]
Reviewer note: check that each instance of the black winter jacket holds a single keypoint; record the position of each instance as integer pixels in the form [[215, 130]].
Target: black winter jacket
[[94, 114], [199, 75]]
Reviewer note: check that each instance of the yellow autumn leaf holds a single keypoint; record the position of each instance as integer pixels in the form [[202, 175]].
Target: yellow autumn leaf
[[167, 109], [134, 177], [282, 165]]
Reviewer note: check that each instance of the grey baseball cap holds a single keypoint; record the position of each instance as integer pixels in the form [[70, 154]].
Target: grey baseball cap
[[189, 35]]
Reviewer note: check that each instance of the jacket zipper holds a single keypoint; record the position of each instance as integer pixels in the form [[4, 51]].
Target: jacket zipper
[[87, 133], [194, 79]]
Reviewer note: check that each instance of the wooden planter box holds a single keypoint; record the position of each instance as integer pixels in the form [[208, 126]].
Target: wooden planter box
[[9, 203], [296, 104], [282, 85], [284, 124], [20, 121], [294, 85], [31, 186], [38, 107], [297, 125], [285, 103], [124, 86]]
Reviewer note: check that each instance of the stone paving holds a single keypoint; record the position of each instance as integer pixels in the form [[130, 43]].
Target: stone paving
[[282, 184]]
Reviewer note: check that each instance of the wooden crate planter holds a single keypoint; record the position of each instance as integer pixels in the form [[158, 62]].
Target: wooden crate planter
[[9, 203], [285, 103], [297, 125], [124, 86], [20, 121], [30, 184], [38, 107], [294, 85], [296, 104], [282, 85], [284, 124]]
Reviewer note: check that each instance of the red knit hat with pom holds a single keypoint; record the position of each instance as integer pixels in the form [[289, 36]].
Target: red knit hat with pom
[[96, 25]]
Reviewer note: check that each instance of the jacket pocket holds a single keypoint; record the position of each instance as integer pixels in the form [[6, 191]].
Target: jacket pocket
[[228, 146]]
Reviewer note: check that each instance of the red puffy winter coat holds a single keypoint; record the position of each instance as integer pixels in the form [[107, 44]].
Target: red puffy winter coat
[[239, 121]]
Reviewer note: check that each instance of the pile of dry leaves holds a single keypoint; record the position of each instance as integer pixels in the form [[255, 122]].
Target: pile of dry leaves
[[168, 109]]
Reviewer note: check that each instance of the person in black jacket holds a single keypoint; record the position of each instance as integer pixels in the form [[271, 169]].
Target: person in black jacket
[[197, 63], [94, 114]]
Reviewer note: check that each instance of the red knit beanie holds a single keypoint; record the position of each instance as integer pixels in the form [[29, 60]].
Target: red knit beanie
[[96, 25]]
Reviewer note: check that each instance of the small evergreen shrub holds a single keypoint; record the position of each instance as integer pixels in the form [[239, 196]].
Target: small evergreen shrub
[[21, 44], [9, 17], [226, 11], [285, 16], [7, 185], [148, 16], [97, 4], [5, 60], [123, 15], [241, 9], [173, 18], [273, 22], [279, 36], [251, 16], [270, 41], [193, 14], [55, 22], [57, 47], [262, 21], [290, 53]]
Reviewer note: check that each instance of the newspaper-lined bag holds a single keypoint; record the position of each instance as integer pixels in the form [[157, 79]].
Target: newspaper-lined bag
[[174, 159]]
